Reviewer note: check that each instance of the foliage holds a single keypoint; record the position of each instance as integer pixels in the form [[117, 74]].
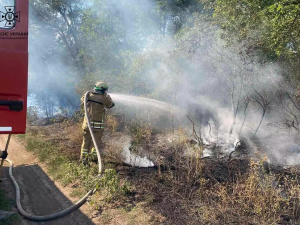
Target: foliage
[[111, 123], [176, 13], [269, 29], [64, 18], [270, 26], [110, 186], [105, 43], [63, 168], [165, 49], [230, 191], [140, 135], [32, 114]]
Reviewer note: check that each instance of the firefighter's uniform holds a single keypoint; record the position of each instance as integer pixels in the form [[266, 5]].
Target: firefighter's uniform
[[96, 105]]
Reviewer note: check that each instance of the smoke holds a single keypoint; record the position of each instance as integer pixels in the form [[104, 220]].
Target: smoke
[[224, 90], [131, 158], [51, 82], [283, 148]]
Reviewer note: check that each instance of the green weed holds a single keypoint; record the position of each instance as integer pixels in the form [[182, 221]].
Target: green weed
[[110, 186]]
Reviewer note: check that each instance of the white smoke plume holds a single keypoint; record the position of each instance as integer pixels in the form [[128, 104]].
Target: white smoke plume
[[217, 86]]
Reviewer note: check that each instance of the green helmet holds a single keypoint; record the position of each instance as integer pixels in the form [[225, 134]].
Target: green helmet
[[101, 86]]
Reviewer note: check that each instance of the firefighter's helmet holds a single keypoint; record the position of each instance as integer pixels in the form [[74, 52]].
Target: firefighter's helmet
[[101, 86]]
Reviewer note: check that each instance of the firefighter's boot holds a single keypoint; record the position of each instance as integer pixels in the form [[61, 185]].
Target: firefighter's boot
[[84, 156]]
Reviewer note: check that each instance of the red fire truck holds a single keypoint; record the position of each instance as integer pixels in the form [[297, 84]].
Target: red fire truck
[[13, 88], [13, 66]]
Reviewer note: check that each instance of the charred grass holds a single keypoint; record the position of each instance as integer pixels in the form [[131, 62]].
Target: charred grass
[[181, 189]]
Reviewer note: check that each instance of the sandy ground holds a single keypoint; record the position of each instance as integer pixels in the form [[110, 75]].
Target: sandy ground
[[40, 195]]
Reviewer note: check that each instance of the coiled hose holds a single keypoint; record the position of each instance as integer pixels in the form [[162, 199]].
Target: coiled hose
[[71, 208]]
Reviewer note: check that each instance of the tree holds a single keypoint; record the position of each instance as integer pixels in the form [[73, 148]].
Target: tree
[[267, 29], [271, 27], [174, 14], [62, 17]]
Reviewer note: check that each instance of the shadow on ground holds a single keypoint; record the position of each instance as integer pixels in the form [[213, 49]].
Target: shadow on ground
[[40, 196]]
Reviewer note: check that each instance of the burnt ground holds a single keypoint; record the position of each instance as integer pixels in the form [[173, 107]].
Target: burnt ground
[[170, 193]]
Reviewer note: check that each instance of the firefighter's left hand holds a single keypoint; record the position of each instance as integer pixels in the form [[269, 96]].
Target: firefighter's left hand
[[3, 155]]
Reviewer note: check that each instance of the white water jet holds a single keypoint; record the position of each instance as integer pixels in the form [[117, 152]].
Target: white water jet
[[144, 102]]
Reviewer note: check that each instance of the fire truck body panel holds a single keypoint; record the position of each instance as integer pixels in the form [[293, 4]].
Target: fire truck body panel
[[14, 73]]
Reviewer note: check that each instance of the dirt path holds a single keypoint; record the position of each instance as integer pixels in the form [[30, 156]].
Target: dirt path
[[40, 195]]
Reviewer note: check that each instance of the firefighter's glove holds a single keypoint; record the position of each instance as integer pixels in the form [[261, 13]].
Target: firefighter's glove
[[3, 154]]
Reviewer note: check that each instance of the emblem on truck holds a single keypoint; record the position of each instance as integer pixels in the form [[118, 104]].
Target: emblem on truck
[[10, 16]]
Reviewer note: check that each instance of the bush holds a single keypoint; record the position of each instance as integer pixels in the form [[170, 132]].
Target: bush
[[32, 115], [110, 186]]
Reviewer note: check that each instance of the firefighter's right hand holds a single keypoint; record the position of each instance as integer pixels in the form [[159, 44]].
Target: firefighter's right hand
[[3, 155]]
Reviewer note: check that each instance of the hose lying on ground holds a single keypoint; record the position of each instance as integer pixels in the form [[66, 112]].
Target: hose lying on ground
[[71, 208]]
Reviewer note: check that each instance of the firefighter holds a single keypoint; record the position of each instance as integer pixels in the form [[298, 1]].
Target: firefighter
[[97, 102]]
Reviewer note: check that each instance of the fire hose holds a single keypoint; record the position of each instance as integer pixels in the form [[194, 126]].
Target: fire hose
[[72, 208]]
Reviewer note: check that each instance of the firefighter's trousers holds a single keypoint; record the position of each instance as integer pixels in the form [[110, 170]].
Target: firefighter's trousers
[[87, 144]]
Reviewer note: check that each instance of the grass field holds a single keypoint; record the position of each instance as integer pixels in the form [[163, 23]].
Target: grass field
[[182, 190]]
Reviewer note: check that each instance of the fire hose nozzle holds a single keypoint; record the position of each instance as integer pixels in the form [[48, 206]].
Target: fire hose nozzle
[[3, 155]]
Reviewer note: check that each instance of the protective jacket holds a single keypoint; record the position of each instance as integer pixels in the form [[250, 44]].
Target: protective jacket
[[96, 104]]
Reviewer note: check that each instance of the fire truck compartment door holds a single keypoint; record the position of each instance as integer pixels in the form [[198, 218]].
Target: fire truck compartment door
[[14, 69]]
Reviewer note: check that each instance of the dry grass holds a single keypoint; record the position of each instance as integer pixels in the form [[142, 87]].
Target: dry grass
[[111, 123], [114, 150], [250, 200], [235, 191], [185, 189]]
